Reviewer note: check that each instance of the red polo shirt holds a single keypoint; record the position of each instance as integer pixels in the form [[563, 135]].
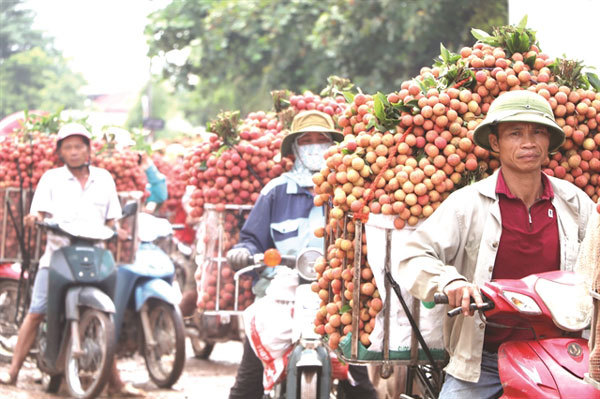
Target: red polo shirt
[[529, 244]]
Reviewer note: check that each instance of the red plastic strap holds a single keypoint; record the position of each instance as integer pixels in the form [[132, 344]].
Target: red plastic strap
[[364, 217], [458, 84]]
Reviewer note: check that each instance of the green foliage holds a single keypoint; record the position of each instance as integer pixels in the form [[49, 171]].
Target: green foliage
[[571, 73], [515, 39], [239, 51], [225, 125], [388, 114], [33, 75], [16, 34], [33, 79]]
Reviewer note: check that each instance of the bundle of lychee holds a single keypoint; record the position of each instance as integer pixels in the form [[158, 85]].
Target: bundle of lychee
[[335, 286], [403, 153], [14, 204], [123, 165], [24, 158], [215, 276], [233, 165]]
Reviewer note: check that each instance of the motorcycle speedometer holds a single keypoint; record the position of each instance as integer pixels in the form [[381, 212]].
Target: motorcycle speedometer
[[305, 263]]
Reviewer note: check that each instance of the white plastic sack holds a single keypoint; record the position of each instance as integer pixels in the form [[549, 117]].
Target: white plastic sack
[[268, 325], [430, 320]]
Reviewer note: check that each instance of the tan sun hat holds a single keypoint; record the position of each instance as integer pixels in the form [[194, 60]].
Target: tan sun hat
[[309, 121], [519, 106]]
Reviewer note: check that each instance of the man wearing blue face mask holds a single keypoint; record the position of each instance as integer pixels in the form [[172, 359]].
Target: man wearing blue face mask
[[284, 217]]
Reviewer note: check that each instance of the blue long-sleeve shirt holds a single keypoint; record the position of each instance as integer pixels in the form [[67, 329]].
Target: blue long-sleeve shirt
[[157, 185], [284, 217]]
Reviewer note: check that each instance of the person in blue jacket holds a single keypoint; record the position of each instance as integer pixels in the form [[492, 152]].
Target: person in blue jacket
[[157, 184], [284, 217]]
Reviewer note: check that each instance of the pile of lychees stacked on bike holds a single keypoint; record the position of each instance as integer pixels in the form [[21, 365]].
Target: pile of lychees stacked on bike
[[404, 152]]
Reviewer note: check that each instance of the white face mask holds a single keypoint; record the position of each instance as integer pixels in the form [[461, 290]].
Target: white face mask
[[311, 155]]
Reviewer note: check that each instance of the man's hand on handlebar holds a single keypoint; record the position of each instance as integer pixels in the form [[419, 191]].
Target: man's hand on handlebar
[[31, 219], [459, 294], [238, 257]]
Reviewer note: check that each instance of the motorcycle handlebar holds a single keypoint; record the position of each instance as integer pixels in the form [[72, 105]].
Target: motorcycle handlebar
[[441, 298], [287, 260]]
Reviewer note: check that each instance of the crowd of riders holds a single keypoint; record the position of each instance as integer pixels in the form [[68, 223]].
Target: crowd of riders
[[514, 223]]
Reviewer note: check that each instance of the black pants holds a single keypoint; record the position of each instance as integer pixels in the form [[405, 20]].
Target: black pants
[[248, 382]]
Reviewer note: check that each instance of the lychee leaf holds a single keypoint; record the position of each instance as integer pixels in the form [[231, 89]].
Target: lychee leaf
[[531, 61], [523, 23], [593, 80], [349, 96], [480, 34]]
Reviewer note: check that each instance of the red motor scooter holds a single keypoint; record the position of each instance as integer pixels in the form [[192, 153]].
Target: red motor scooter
[[553, 362], [10, 274]]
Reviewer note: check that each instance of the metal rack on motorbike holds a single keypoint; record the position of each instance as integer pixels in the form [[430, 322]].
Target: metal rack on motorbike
[[420, 362], [19, 256], [223, 294], [124, 250]]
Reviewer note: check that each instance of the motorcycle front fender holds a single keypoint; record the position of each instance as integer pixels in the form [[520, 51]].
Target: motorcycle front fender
[[56, 336], [155, 288], [90, 297], [301, 358]]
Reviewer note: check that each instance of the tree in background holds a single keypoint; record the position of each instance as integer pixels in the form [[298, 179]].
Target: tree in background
[[33, 74], [227, 54]]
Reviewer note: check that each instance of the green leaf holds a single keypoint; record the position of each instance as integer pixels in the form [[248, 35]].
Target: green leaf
[[444, 53], [378, 109], [512, 43], [479, 34], [524, 43], [454, 58], [593, 79], [523, 23], [531, 61], [372, 123], [349, 96], [422, 86], [345, 308]]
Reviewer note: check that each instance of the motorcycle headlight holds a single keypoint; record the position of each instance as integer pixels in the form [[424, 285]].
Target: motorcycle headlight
[[305, 263], [570, 305], [522, 303]]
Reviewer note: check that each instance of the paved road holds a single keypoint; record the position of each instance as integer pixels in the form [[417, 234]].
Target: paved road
[[210, 378]]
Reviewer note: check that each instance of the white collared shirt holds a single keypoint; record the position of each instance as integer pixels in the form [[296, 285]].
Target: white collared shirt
[[60, 194]]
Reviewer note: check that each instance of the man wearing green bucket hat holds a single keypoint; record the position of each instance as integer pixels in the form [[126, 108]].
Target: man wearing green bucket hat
[[517, 222], [284, 217]]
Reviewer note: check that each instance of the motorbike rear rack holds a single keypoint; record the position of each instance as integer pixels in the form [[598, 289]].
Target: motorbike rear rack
[[427, 371], [13, 208], [219, 260]]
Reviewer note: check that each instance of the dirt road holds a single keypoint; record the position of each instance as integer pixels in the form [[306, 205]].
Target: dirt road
[[210, 378]]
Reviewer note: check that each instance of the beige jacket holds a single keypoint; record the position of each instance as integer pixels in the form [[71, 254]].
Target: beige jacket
[[460, 240]]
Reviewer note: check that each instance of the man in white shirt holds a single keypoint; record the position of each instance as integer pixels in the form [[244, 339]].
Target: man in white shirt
[[75, 191]]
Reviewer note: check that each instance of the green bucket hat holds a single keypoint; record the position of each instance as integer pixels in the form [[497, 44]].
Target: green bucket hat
[[309, 121], [519, 106]]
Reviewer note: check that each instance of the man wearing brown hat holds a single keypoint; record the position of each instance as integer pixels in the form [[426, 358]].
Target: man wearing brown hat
[[284, 217], [517, 222]]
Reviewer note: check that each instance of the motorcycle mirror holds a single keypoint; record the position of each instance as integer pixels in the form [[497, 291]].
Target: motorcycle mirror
[[272, 257], [130, 208]]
